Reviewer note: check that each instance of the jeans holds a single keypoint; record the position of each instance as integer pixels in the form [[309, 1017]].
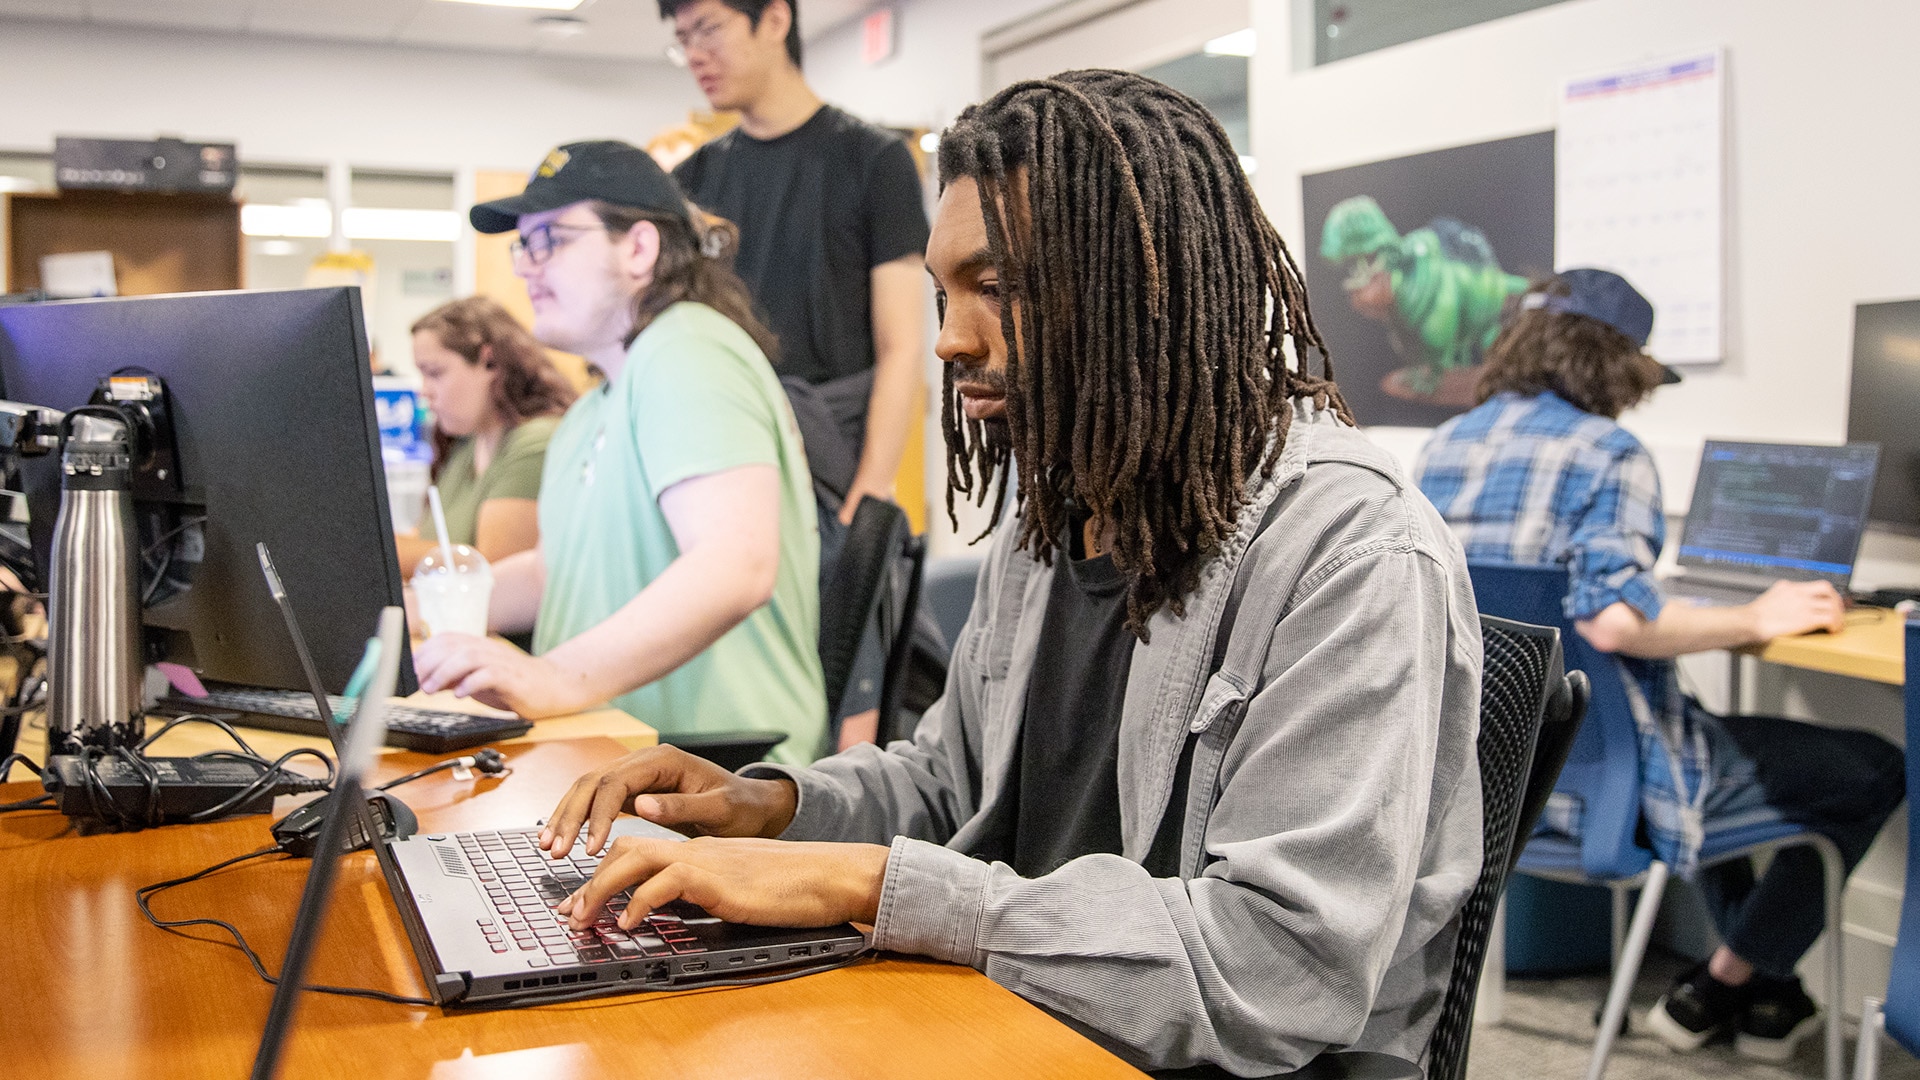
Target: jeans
[[1842, 784]]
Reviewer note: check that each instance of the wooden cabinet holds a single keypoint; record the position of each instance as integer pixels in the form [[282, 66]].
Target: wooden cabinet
[[161, 243]]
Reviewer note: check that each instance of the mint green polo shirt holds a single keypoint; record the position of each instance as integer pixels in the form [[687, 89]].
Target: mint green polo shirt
[[696, 397]]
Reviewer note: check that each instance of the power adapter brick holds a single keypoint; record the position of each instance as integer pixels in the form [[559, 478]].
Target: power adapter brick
[[184, 787]]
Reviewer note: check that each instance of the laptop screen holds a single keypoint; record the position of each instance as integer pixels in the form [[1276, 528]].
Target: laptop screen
[[1788, 511]]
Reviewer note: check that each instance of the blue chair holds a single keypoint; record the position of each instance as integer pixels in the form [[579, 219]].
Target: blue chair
[[1899, 1015], [1603, 775]]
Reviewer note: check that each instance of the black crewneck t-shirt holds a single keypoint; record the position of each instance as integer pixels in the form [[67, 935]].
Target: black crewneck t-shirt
[[1064, 801], [818, 208]]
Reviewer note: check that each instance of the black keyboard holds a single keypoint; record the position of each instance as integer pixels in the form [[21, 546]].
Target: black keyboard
[[524, 885], [409, 727]]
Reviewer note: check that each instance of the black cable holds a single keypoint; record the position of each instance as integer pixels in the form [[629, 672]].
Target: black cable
[[40, 802], [274, 776], [145, 894], [103, 805], [171, 533], [199, 718], [488, 761], [7, 763]]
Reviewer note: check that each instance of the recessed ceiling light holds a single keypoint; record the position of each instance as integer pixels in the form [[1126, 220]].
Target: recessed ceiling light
[[1238, 43], [542, 5]]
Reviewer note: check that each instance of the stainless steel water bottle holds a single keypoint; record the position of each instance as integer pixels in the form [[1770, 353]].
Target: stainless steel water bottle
[[93, 602]]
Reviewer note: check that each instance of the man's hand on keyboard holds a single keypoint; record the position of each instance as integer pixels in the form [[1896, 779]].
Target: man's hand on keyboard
[[668, 786], [739, 879], [495, 673]]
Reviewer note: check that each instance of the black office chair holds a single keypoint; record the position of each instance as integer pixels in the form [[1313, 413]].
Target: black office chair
[[1529, 711], [1530, 708], [851, 595], [860, 589]]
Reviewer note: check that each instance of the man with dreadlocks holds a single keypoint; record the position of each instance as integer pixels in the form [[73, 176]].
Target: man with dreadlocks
[[1203, 781]]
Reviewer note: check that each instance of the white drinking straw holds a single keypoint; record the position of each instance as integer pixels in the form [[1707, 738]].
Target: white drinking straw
[[440, 524]]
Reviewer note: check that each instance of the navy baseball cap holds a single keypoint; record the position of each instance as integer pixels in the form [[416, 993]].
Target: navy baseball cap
[[611, 171], [1607, 297]]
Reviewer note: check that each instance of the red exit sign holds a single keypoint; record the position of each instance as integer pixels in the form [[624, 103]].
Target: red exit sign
[[877, 39]]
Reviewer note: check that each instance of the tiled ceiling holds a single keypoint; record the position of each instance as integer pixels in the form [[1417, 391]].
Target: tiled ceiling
[[628, 29]]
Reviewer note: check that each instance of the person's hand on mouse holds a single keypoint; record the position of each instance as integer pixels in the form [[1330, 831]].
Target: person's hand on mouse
[[1788, 608]]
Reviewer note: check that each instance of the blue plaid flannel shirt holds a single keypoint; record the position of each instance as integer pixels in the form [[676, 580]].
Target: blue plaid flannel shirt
[[1535, 480]]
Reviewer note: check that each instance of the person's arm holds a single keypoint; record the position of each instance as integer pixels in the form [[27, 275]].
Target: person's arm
[[519, 581], [920, 788], [1788, 608], [1278, 949], [727, 527], [505, 527], [899, 387], [412, 547]]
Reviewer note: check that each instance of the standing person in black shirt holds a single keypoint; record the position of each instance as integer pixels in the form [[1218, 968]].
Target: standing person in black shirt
[[832, 226]]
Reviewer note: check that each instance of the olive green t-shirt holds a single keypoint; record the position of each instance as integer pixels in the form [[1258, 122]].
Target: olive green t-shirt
[[514, 473], [696, 397]]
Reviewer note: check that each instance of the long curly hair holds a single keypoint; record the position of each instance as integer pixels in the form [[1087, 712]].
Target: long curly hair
[[1149, 379], [1594, 367], [480, 330]]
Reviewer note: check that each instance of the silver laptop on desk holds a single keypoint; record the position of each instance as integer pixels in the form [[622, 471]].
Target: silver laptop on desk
[[478, 908], [1763, 512]]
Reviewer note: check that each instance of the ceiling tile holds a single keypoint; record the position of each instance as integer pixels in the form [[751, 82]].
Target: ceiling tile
[[352, 20], [43, 9], [628, 29], [193, 14]]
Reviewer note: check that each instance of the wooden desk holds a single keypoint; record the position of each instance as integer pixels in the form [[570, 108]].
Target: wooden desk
[[189, 739], [95, 993], [1873, 646]]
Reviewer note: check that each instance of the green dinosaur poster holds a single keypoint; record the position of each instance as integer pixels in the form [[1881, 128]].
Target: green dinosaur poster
[[1412, 262]]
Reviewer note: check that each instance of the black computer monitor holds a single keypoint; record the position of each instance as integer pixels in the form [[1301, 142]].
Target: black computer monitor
[[272, 402], [1884, 407]]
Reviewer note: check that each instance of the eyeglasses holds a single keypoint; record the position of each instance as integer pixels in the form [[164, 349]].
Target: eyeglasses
[[703, 35], [537, 246]]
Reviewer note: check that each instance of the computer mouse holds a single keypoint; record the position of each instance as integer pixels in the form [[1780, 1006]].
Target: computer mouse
[[299, 832]]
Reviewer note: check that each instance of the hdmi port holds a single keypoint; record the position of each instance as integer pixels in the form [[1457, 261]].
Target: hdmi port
[[693, 967]]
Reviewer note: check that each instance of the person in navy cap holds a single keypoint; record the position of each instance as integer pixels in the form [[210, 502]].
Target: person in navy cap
[[1542, 472]]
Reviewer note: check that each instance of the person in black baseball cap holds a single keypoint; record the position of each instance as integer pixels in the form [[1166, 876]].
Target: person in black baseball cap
[[1541, 472], [677, 574], [604, 170]]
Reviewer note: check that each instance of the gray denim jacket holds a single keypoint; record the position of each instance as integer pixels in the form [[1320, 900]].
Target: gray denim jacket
[[1332, 821]]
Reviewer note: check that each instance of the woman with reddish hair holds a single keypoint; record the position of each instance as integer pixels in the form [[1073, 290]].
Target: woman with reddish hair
[[496, 399]]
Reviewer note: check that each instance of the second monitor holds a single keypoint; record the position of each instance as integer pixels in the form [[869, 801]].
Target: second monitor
[[272, 402]]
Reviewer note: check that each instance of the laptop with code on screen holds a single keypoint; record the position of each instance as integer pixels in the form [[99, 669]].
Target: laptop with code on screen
[[1765, 512]]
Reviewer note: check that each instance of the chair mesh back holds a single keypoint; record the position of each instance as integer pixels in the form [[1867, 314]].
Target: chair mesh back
[[847, 603], [1521, 665]]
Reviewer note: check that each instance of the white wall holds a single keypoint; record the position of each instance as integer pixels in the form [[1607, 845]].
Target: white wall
[[1821, 214], [300, 101], [935, 68]]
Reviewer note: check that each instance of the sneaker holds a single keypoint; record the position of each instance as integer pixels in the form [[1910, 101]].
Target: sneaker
[[1779, 1015], [1696, 1009]]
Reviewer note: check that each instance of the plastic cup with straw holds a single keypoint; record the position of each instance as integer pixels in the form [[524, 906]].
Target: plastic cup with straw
[[454, 584]]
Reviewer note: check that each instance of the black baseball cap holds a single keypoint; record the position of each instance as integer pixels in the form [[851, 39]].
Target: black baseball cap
[[615, 172], [1608, 298]]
